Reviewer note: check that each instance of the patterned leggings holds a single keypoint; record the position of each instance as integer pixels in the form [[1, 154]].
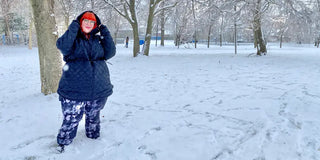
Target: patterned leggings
[[72, 115]]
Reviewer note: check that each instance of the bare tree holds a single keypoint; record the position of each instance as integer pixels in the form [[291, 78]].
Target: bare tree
[[317, 26], [66, 6], [297, 20], [162, 23], [152, 6], [258, 9], [182, 22], [116, 26], [279, 23], [5, 8], [211, 13], [30, 30], [195, 24], [164, 15], [235, 30], [109, 16], [49, 56], [153, 10], [128, 11]]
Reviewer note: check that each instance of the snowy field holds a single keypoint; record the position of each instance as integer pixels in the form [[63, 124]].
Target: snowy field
[[176, 104]]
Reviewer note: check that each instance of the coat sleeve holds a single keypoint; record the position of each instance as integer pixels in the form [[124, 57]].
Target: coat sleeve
[[107, 43], [65, 42]]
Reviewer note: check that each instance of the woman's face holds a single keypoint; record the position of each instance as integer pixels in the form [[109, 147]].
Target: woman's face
[[87, 25]]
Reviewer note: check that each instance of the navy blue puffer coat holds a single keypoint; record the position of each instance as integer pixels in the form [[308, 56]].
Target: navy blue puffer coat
[[85, 75]]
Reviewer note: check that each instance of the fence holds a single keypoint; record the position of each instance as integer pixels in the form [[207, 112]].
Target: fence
[[14, 40]]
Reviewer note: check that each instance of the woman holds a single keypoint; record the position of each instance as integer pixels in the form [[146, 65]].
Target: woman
[[85, 83]]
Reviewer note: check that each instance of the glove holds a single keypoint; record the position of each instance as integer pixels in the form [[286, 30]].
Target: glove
[[102, 27], [75, 24]]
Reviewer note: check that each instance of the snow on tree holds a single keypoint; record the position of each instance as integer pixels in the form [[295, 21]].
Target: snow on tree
[[49, 56], [127, 9], [154, 8]]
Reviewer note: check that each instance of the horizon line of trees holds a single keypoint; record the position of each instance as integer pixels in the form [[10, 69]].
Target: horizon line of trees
[[256, 21]]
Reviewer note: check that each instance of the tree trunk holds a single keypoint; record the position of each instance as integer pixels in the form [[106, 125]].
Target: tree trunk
[[220, 37], [281, 40], [261, 46], [195, 39], [175, 34], [115, 38], [210, 26], [7, 30], [235, 31], [178, 40], [162, 26], [135, 29], [255, 42], [30, 33], [50, 58], [221, 28], [195, 25], [147, 39], [136, 45], [209, 34]]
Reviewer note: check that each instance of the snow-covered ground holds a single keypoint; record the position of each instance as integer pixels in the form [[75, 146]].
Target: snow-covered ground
[[176, 104]]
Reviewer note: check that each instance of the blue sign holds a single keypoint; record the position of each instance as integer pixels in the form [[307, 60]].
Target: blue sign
[[141, 42]]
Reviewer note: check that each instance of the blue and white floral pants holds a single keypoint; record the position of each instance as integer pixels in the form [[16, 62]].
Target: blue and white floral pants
[[72, 115]]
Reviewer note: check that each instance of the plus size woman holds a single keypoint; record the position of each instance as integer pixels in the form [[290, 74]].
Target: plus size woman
[[85, 82]]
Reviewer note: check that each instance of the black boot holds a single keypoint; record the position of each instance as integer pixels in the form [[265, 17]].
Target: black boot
[[60, 148]]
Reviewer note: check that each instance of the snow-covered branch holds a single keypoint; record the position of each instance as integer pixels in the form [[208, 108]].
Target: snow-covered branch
[[158, 10], [116, 8]]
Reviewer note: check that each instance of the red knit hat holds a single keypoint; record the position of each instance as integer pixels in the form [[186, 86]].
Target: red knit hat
[[89, 16]]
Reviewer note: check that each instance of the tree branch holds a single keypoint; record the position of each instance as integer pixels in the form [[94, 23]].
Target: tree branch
[[115, 8], [165, 8]]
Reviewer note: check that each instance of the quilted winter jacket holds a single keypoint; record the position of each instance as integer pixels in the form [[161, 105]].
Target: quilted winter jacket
[[85, 75]]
